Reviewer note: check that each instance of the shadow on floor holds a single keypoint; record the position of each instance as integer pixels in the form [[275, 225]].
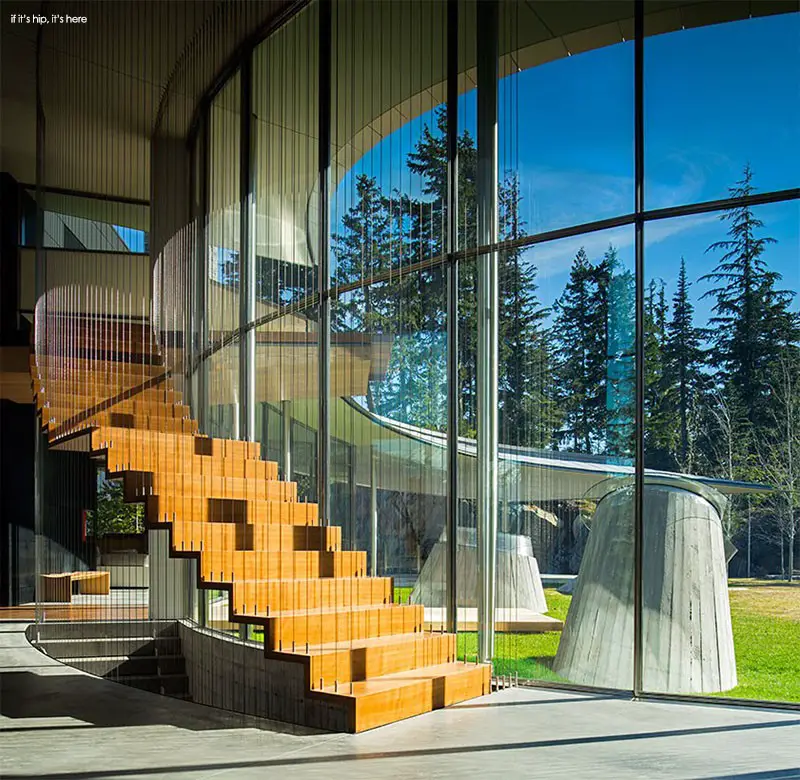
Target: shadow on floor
[[295, 760], [103, 703]]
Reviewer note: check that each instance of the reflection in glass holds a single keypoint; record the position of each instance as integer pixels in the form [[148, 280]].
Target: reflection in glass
[[388, 418]]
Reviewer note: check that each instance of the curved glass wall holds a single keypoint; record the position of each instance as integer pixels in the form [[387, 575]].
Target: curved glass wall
[[438, 225]]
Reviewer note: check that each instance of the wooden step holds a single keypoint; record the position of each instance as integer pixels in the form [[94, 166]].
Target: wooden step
[[156, 408], [376, 702], [364, 659], [263, 513], [146, 422], [171, 442], [154, 460], [208, 509], [254, 596], [187, 483], [209, 537], [227, 566], [340, 625]]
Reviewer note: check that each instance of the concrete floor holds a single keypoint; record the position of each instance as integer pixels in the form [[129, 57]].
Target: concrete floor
[[58, 723]]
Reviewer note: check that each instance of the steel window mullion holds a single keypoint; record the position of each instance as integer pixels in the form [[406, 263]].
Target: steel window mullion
[[638, 507], [323, 275], [453, 396], [247, 260], [487, 289]]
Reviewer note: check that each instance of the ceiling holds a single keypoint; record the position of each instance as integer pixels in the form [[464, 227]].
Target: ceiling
[[103, 81]]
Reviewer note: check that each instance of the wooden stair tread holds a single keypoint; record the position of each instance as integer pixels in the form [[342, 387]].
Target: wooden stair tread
[[408, 678], [369, 642], [313, 611]]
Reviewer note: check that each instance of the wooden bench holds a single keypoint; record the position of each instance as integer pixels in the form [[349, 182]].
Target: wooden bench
[[58, 587]]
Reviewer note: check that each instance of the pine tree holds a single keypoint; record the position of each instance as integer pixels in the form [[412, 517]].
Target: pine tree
[[659, 430], [683, 360], [580, 332], [621, 356], [525, 389], [752, 320], [524, 380]]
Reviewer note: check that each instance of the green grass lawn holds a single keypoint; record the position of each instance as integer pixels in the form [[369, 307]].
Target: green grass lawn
[[766, 632], [766, 637]]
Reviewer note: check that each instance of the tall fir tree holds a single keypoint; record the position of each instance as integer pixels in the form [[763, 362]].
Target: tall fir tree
[[683, 361], [660, 428], [621, 356], [580, 331], [752, 320]]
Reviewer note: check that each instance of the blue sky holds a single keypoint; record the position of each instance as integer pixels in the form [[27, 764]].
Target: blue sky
[[133, 238], [716, 97]]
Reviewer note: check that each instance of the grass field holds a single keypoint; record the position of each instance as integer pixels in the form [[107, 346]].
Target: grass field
[[766, 631]]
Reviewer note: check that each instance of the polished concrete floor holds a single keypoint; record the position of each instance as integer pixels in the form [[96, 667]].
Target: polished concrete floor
[[58, 723]]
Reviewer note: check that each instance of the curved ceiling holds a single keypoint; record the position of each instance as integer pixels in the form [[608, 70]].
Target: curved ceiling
[[103, 80]]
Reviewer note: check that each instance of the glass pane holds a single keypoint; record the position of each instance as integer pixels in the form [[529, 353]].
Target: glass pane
[[388, 420], [285, 150], [566, 398], [565, 113], [718, 97], [388, 151], [224, 226], [73, 222], [722, 597]]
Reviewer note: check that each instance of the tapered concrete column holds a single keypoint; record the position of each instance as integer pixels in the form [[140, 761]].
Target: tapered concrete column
[[687, 637]]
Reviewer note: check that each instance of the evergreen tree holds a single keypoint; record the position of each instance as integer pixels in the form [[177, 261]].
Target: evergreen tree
[[683, 360], [660, 428], [525, 387], [524, 384], [752, 321], [621, 356], [580, 331]]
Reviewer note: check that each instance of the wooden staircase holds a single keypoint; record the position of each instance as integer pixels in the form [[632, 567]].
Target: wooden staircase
[[361, 654]]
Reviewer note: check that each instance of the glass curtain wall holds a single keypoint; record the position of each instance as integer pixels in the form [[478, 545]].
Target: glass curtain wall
[[388, 356], [663, 325]]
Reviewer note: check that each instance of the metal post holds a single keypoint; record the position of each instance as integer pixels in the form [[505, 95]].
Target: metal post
[[487, 17], [286, 439], [373, 514], [453, 395], [247, 263], [638, 510], [323, 283], [201, 400]]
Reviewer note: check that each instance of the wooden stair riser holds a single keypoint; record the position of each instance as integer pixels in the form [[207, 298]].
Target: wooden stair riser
[[120, 461], [209, 537], [138, 421], [259, 513], [319, 628], [169, 442], [228, 566], [251, 596], [377, 709], [144, 484], [344, 664], [157, 410], [194, 509]]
